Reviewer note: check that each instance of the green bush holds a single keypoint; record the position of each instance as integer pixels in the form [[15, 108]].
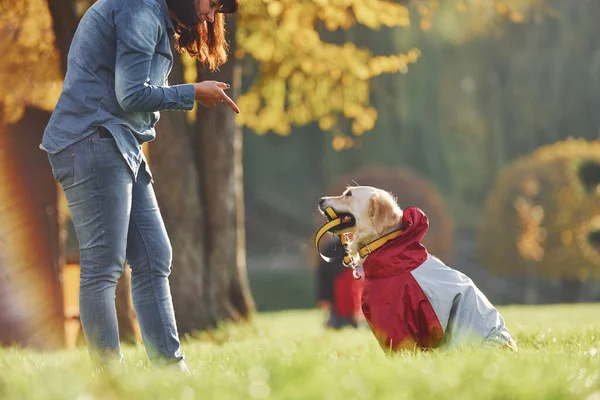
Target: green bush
[[543, 214]]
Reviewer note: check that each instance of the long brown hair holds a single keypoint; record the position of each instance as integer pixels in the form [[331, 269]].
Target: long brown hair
[[204, 41]]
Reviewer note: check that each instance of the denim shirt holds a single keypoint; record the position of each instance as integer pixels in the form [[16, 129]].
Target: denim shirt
[[117, 70]]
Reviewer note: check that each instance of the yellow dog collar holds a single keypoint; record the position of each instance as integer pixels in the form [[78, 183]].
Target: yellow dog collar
[[377, 243]]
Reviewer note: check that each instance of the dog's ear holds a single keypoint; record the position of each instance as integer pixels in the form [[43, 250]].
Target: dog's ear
[[381, 212]]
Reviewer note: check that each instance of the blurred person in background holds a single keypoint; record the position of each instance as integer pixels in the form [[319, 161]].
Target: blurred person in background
[[338, 292], [115, 86]]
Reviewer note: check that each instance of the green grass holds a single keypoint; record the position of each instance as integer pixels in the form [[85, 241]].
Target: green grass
[[288, 355]]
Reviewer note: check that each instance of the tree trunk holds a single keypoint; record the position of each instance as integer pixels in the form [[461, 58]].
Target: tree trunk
[[176, 183], [64, 26], [31, 303], [218, 145]]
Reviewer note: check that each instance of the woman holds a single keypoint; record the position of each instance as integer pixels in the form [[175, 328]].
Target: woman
[[115, 86]]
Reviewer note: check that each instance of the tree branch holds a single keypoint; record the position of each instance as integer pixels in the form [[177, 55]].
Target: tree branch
[[64, 25]]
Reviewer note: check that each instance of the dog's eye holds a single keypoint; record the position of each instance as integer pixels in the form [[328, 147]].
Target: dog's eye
[[348, 193]]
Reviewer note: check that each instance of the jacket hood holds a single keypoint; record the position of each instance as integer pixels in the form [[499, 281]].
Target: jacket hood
[[402, 254]]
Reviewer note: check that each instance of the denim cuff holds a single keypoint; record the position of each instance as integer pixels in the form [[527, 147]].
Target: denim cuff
[[186, 94]]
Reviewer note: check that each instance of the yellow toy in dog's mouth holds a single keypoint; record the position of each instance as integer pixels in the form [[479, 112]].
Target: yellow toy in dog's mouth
[[346, 220], [336, 222]]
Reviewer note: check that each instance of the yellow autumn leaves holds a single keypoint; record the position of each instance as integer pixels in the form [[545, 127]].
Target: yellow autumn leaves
[[303, 78], [300, 77], [29, 66], [543, 214], [461, 20]]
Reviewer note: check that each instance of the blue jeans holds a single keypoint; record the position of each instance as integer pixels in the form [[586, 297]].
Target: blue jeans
[[117, 219]]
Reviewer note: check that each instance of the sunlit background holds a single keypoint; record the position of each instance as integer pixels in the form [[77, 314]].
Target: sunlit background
[[484, 113]]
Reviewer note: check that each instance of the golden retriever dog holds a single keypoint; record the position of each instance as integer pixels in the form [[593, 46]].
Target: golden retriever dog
[[411, 299]]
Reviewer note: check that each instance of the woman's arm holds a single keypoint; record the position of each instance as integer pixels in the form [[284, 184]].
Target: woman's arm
[[138, 30]]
